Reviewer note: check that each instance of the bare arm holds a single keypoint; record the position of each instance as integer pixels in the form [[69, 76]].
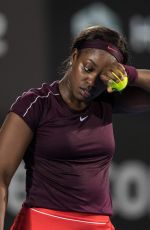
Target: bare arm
[[15, 136], [135, 98], [142, 81]]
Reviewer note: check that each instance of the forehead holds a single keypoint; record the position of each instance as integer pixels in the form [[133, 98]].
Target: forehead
[[97, 55]]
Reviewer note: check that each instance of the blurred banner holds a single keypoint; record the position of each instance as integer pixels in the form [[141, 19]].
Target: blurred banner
[[34, 40], [23, 48], [24, 51]]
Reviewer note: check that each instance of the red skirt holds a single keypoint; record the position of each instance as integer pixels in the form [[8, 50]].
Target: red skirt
[[40, 218]]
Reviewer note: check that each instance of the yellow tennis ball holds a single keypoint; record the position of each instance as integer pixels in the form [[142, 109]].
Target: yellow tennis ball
[[118, 86]]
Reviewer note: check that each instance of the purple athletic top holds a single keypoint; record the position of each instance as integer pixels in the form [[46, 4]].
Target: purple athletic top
[[67, 162]]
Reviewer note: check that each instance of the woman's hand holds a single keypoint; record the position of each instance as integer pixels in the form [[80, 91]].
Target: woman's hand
[[113, 73]]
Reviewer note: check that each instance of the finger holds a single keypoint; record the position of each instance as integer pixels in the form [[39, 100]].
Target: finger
[[122, 69], [116, 77], [109, 89], [104, 78], [119, 75]]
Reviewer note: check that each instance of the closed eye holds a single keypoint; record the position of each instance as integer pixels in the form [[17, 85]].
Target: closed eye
[[87, 69]]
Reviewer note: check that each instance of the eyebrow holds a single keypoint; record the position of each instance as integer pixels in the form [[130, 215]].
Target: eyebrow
[[92, 62]]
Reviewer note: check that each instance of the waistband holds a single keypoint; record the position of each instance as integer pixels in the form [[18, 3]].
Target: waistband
[[73, 216], [41, 218]]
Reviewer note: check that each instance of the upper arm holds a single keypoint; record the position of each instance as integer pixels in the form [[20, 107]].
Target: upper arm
[[15, 136]]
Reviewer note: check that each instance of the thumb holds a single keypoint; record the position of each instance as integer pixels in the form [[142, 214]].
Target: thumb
[[109, 89]]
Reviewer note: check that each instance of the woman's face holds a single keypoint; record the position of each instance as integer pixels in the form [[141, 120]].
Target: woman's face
[[86, 67]]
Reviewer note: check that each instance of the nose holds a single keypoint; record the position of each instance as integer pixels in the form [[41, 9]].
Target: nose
[[91, 80]]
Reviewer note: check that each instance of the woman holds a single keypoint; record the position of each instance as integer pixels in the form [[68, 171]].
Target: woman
[[64, 133]]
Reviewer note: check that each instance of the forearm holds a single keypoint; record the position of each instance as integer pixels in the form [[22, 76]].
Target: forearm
[[3, 204], [143, 79], [136, 97]]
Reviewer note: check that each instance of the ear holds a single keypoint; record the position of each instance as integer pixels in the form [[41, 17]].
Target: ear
[[74, 56]]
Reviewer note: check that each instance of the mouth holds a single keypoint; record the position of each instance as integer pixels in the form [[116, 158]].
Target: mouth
[[85, 92], [90, 93]]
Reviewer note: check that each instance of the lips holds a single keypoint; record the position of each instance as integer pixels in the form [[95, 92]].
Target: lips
[[85, 92]]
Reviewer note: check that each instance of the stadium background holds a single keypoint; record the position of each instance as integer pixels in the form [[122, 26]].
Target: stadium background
[[34, 39]]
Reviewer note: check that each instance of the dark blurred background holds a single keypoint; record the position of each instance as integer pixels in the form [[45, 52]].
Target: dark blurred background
[[35, 37]]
